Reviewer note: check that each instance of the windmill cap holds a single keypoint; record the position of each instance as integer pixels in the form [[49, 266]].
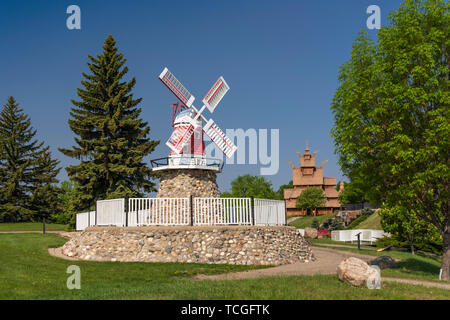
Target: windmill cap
[[185, 116]]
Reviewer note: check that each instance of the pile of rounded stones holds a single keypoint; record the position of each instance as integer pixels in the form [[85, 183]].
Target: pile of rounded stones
[[244, 245]]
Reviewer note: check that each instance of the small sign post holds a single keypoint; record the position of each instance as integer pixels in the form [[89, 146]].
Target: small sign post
[[359, 240], [191, 210], [252, 204], [126, 211]]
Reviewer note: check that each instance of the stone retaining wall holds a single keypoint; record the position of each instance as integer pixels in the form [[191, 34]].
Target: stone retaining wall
[[258, 245]]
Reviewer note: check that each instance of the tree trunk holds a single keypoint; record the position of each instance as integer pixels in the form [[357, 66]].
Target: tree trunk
[[446, 252], [411, 245]]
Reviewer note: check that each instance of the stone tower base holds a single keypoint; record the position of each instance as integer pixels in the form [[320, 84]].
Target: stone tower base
[[182, 183]]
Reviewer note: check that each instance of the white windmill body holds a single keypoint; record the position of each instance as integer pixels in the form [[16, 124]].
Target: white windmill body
[[192, 154], [187, 148]]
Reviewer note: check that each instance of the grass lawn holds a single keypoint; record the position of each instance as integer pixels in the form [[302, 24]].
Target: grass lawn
[[418, 266], [306, 221], [31, 226], [372, 222], [27, 271], [342, 243]]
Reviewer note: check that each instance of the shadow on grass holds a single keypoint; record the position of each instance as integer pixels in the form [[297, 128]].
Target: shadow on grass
[[430, 256], [412, 265]]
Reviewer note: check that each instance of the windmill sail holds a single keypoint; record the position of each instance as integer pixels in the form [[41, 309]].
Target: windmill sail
[[180, 137], [215, 94], [219, 138], [176, 87]]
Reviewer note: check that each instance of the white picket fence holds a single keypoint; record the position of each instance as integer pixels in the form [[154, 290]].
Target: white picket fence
[[180, 211], [158, 211], [270, 212], [225, 211], [367, 235], [110, 212], [82, 220]]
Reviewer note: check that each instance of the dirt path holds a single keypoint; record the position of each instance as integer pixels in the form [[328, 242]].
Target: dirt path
[[326, 262], [30, 231], [64, 234], [292, 219], [341, 246], [429, 284], [57, 252]]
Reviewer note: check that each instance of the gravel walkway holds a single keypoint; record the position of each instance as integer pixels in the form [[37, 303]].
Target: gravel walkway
[[326, 262], [64, 234], [289, 220], [342, 246]]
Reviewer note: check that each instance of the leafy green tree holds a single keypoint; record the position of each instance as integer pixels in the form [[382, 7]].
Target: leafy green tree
[[280, 191], [310, 199], [352, 193], [112, 140], [392, 115], [248, 185], [406, 226], [18, 153]]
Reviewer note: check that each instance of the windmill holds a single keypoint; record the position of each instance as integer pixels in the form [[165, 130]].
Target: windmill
[[186, 171], [193, 117]]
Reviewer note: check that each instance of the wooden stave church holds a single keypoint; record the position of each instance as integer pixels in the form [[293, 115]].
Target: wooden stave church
[[308, 175]]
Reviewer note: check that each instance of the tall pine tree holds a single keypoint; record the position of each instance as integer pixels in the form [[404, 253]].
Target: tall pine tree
[[111, 137], [45, 200], [25, 166]]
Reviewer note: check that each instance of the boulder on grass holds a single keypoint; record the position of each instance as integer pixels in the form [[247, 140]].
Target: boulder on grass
[[310, 233], [383, 262], [356, 272]]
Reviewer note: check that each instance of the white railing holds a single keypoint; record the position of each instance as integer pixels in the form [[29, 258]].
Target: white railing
[[270, 212], [158, 211], [367, 235], [180, 211], [227, 211], [85, 219]]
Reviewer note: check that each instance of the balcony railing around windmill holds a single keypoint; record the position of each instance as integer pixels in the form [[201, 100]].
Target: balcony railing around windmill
[[188, 162]]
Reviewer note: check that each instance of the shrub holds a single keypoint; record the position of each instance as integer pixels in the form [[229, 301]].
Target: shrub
[[366, 211], [335, 225], [356, 222], [315, 224]]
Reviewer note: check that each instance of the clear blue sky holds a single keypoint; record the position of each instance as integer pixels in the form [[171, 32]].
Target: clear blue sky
[[280, 58]]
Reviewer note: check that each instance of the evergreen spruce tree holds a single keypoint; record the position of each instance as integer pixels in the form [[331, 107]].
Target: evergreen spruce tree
[[45, 201], [111, 137], [18, 153]]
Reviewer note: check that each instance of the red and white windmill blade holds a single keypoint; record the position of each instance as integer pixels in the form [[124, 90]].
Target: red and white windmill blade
[[210, 101]]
